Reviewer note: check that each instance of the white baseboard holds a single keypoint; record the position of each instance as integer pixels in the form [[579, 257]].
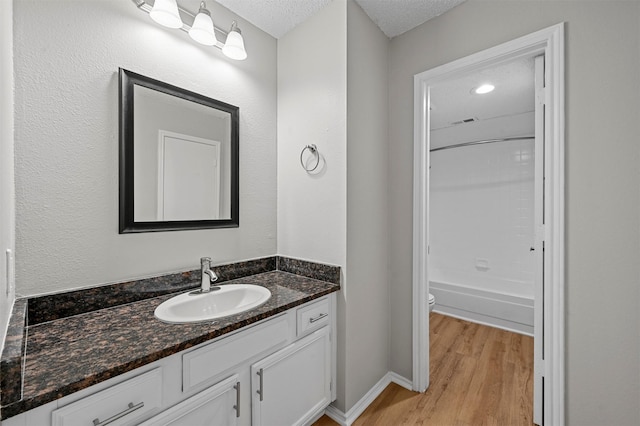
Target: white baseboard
[[314, 419], [348, 418], [400, 381], [336, 415], [508, 312]]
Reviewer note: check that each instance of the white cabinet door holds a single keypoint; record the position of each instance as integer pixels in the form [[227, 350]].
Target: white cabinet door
[[294, 384], [126, 403], [215, 406]]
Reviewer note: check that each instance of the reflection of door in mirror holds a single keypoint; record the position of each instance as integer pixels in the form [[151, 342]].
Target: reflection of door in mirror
[[182, 159], [188, 177]]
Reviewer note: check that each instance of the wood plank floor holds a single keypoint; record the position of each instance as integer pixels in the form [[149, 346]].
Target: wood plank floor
[[479, 376]]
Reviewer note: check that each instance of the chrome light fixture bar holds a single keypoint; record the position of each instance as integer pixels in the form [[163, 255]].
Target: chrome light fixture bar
[[239, 53]]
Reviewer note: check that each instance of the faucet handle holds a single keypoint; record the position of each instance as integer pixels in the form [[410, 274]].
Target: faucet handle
[[205, 261]]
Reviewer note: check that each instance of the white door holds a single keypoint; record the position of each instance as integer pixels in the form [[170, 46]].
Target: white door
[[188, 177], [538, 247], [292, 385], [215, 406]]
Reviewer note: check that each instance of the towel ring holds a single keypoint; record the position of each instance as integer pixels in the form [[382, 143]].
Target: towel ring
[[314, 151]]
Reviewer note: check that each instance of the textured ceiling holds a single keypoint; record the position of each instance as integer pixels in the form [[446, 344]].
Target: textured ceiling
[[275, 17], [394, 17]]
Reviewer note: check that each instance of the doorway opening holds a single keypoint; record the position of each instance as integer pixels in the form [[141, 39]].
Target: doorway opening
[[533, 132]]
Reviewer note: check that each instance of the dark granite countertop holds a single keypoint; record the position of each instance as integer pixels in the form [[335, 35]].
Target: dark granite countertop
[[68, 354]]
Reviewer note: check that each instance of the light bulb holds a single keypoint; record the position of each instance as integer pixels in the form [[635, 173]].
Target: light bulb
[[202, 30], [165, 13], [234, 46]]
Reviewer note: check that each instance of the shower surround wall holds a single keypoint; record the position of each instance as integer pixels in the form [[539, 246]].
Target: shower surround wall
[[481, 231]]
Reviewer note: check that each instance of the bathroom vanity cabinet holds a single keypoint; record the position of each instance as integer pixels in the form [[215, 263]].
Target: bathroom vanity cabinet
[[217, 405], [294, 383], [277, 371]]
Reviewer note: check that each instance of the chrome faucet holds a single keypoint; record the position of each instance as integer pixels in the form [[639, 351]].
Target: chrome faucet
[[208, 276]]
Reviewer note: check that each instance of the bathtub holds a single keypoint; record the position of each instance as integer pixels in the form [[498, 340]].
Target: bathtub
[[509, 312]]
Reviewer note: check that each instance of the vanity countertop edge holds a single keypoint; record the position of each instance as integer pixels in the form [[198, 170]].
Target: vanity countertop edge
[[58, 357]]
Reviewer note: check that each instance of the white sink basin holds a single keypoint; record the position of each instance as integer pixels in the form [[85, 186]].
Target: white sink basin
[[231, 299]]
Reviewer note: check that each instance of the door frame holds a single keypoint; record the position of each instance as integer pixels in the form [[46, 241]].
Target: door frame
[[550, 43]]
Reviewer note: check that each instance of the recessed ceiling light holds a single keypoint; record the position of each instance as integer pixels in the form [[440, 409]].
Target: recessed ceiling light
[[485, 88]]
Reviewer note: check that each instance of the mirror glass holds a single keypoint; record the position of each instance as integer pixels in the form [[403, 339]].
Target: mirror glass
[[178, 158]]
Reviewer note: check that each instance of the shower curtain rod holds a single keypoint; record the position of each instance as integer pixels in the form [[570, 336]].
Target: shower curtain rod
[[480, 142]]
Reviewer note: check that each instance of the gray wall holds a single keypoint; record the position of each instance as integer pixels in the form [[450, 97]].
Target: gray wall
[[7, 201], [332, 91], [367, 316], [312, 106], [312, 208], [602, 177], [66, 149]]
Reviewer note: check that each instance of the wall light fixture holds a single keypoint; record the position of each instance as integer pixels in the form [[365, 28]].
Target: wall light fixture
[[165, 13], [202, 30], [234, 47]]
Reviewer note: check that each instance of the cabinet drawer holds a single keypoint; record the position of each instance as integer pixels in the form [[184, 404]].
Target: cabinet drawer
[[123, 404], [313, 316], [203, 365]]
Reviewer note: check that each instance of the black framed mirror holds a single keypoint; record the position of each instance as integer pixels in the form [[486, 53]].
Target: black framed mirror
[[179, 158]]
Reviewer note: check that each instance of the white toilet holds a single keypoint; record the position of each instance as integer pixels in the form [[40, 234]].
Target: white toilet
[[432, 302]]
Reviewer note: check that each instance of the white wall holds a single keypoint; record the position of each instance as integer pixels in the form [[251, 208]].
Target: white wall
[[332, 91], [602, 178], [367, 313], [481, 217], [7, 200], [312, 208], [312, 110], [66, 131]]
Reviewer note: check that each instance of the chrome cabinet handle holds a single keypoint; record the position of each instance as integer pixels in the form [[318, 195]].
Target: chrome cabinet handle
[[261, 390], [318, 318], [131, 408], [237, 406]]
